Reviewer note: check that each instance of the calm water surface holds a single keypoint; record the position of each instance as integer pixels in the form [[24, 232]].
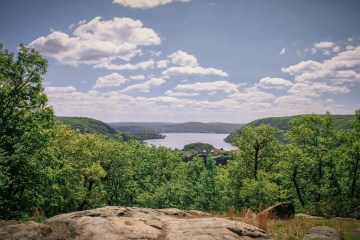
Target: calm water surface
[[178, 140]]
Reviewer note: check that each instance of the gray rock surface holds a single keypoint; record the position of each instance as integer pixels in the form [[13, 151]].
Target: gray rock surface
[[322, 233], [110, 223]]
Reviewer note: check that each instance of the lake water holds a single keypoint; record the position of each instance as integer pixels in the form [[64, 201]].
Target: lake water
[[178, 140]]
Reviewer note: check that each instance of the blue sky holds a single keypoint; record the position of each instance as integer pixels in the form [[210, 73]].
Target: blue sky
[[192, 60]]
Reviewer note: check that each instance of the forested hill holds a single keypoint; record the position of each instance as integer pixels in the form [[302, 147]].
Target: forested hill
[[87, 125], [187, 127], [283, 123]]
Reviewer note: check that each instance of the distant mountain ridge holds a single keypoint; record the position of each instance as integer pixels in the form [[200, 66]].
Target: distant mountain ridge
[[167, 127], [145, 130], [283, 123]]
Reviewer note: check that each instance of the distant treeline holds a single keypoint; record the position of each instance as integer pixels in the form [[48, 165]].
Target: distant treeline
[[188, 127]]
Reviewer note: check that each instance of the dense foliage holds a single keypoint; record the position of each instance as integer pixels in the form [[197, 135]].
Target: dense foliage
[[47, 167]]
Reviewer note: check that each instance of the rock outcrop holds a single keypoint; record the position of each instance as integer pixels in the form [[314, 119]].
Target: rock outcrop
[[141, 223], [283, 210], [24, 231], [322, 233]]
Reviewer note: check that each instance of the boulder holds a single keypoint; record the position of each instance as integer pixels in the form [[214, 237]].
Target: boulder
[[322, 233], [283, 210], [112, 223], [142, 223]]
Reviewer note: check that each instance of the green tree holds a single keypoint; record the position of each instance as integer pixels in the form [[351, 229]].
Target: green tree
[[258, 149], [313, 159], [25, 131], [258, 154]]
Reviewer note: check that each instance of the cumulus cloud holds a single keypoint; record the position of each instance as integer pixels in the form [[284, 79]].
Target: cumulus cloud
[[277, 83], [180, 94], [111, 80], [145, 4], [252, 94], [97, 41], [302, 67], [162, 63], [311, 89], [341, 68], [145, 86], [324, 45], [137, 77], [194, 70], [183, 59], [144, 65], [209, 86], [336, 49]]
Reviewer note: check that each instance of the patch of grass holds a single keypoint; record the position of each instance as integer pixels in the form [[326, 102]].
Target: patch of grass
[[296, 228], [39, 219]]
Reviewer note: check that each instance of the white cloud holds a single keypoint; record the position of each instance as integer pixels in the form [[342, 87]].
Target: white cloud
[[145, 4], [97, 41], [111, 80], [128, 66], [180, 94], [336, 49], [145, 86], [283, 51], [313, 89], [324, 45], [137, 77], [277, 83], [302, 67], [162, 64], [342, 68], [155, 53], [209, 86], [183, 59], [252, 94], [51, 90], [117, 30], [350, 47], [189, 70]]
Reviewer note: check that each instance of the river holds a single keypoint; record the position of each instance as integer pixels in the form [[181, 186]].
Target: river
[[178, 140]]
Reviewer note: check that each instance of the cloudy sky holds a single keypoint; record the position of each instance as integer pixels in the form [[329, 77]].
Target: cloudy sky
[[192, 60]]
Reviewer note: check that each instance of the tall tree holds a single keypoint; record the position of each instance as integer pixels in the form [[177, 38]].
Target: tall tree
[[313, 141], [257, 149], [25, 128]]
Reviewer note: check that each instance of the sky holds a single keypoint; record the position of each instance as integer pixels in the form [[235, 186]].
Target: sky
[[191, 60]]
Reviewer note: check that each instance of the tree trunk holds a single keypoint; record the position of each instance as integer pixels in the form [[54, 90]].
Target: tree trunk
[[356, 168], [297, 188], [256, 163]]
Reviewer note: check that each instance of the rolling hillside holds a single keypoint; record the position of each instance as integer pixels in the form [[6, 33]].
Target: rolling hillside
[[283, 123], [89, 125]]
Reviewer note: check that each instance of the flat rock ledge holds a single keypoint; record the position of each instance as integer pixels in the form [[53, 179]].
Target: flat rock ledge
[[110, 223], [322, 233]]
